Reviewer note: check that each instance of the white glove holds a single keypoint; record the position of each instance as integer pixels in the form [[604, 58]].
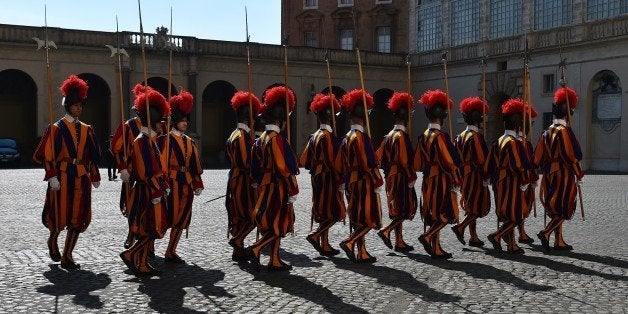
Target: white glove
[[198, 192], [54, 184], [96, 184], [341, 187], [378, 190], [125, 176], [486, 183], [167, 191], [156, 201], [411, 184], [292, 199], [254, 185], [524, 187], [455, 189]]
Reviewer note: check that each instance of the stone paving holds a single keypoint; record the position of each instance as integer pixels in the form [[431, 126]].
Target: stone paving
[[593, 278]]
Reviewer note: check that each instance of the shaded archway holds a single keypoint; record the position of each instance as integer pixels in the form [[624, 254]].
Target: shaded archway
[[18, 103], [161, 85], [97, 110], [604, 149], [342, 122], [293, 115], [381, 118], [218, 121], [494, 121]]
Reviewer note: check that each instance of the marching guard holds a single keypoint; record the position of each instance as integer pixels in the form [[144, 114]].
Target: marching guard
[[361, 177], [183, 167], [275, 167], [147, 203], [319, 157], [241, 195], [508, 165], [475, 197], [438, 159], [558, 155], [395, 157], [70, 154]]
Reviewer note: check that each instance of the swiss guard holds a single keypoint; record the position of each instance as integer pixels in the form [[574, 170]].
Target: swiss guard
[[70, 154], [558, 154], [241, 195], [319, 157], [275, 168], [148, 215], [183, 167], [395, 157]]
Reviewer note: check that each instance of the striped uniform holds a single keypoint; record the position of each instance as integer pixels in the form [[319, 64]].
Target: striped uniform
[[147, 219], [508, 165], [184, 177], [533, 177], [276, 167], [76, 156], [475, 198], [361, 176], [240, 197], [395, 156], [438, 159], [558, 154], [131, 129], [318, 157]]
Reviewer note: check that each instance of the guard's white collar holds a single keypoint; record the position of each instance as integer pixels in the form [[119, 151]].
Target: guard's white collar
[[326, 127], [70, 118], [399, 127], [433, 126], [473, 128], [510, 132], [244, 127], [357, 127], [560, 121], [145, 131], [177, 132], [272, 127]]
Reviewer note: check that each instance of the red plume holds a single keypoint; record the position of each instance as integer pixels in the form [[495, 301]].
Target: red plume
[[531, 111], [432, 97], [241, 98], [139, 88], [560, 97], [278, 94], [182, 102], [470, 104], [399, 100], [350, 99], [76, 84], [155, 99], [322, 102], [512, 106]]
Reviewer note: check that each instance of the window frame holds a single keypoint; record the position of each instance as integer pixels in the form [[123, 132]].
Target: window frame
[[340, 4], [390, 37], [352, 38], [306, 7]]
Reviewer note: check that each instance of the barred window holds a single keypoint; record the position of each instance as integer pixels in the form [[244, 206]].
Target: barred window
[[603, 9], [346, 39], [465, 20], [309, 39], [383, 39], [552, 13], [506, 18], [429, 17], [310, 4], [345, 3]]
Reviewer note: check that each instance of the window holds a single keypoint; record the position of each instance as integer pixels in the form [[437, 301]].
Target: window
[[310, 4], [502, 65], [465, 19], [549, 83], [506, 18], [602, 9], [310, 39], [346, 39], [383, 39], [345, 3], [552, 13], [382, 1], [429, 33]]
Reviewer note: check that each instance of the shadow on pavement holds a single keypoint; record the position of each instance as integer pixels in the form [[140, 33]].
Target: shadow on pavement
[[480, 271], [78, 283], [396, 278], [167, 292], [601, 259]]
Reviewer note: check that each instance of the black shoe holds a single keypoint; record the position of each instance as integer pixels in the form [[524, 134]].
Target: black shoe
[[544, 241], [283, 267], [426, 245], [368, 260], [332, 252], [54, 254], [128, 263], [518, 251], [348, 251], [70, 265], [252, 258], [476, 243], [527, 240], [238, 258], [315, 244], [174, 260], [128, 243], [442, 256], [495, 243], [566, 247], [406, 248], [151, 254], [458, 234], [385, 239], [150, 273]]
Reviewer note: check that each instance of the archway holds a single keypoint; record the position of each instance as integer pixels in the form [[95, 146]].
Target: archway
[[494, 121], [381, 118], [342, 122], [218, 120], [605, 129], [18, 102], [161, 85], [97, 110]]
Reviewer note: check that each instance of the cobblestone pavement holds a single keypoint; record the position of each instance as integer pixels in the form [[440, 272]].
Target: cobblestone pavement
[[593, 278]]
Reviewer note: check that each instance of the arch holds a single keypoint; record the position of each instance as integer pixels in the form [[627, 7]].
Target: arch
[[218, 120], [381, 118], [342, 122], [161, 85], [97, 110], [18, 102], [605, 97]]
